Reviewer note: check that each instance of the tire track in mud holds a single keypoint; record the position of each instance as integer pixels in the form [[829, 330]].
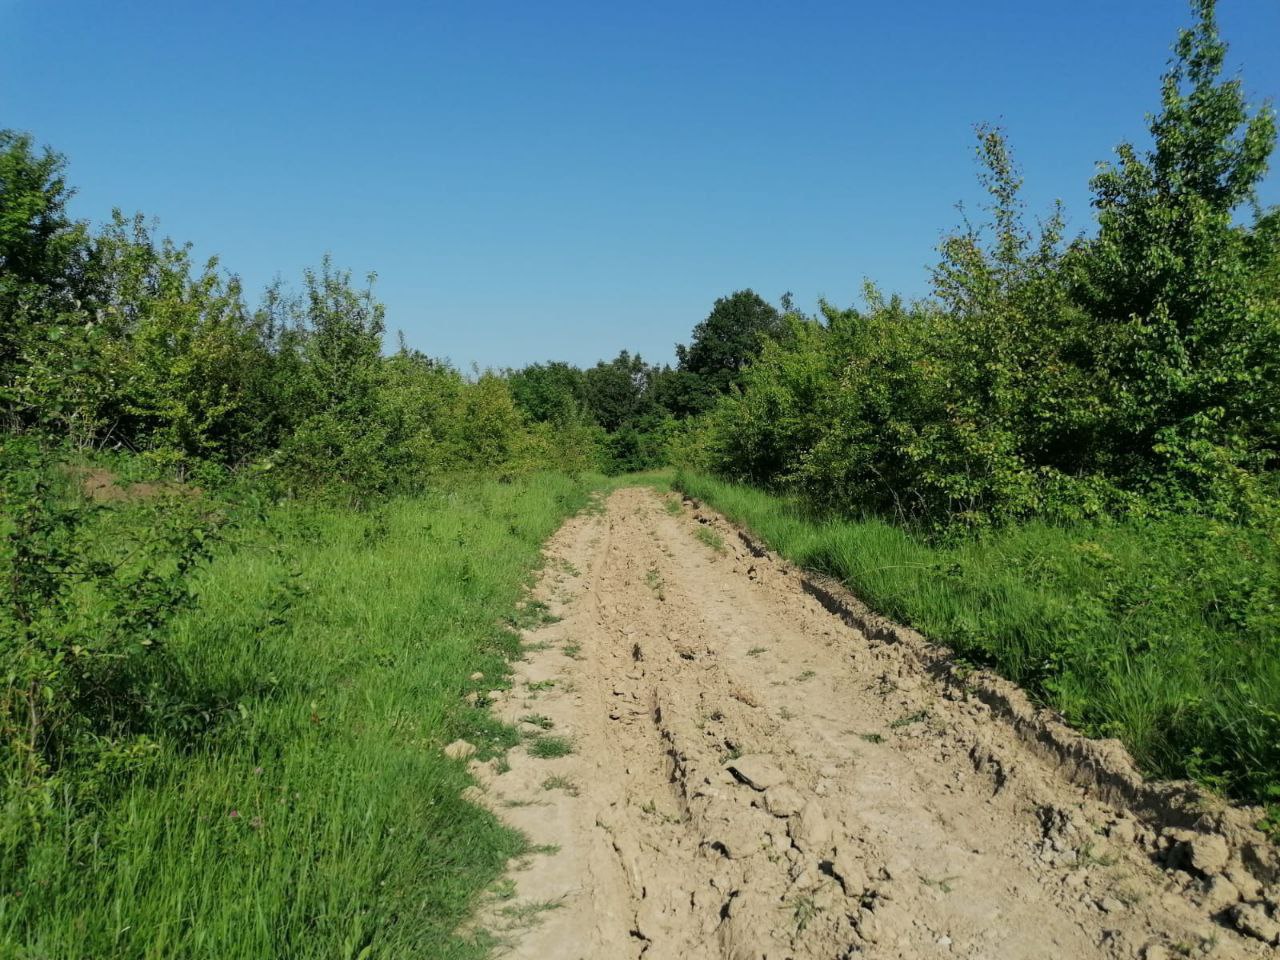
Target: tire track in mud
[[754, 779]]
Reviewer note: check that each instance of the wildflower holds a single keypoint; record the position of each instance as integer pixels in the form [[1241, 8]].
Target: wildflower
[[234, 814]]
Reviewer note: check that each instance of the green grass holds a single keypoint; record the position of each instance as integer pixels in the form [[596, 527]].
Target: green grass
[[561, 783], [317, 817], [1164, 633], [710, 538], [550, 747]]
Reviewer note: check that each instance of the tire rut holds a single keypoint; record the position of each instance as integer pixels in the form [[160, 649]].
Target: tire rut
[[754, 779]]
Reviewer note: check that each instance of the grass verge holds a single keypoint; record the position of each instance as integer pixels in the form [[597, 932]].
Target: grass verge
[[314, 815], [1165, 633]]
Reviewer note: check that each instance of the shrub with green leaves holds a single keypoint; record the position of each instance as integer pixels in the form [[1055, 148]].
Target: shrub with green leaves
[[86, 596], [1134, 370]]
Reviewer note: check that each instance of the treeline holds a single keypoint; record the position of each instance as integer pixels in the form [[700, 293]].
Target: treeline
[[119, 349], [647, 415], [1131, 371], [118, 339]]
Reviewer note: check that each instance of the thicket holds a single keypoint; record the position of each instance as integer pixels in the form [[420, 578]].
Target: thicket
[[119, 349], [646, 415], [1131, 371], [1063, 463], [116, 338]]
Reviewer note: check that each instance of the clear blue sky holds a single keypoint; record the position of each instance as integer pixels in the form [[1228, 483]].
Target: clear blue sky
[[537, 180]]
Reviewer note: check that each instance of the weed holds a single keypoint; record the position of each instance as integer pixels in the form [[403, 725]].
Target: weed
[[305, 638], [529, 914], [654, 579], [804, 909], [531, 615], [550, 747], [538, 720], [943, 884], [806, 675], [1270, 822], [756, 651], [872, 737], [572, 650], [710, 538], [562, 783], [908, 719], [1088, 857]]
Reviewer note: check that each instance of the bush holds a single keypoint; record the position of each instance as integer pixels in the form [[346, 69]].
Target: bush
[[85, 604], [1136, 370]]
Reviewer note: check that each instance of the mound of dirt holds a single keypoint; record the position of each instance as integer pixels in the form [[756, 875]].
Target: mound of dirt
[[102, 486]]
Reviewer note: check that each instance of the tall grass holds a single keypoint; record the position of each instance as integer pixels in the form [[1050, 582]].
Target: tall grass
[[1165, 634], [318, 818]]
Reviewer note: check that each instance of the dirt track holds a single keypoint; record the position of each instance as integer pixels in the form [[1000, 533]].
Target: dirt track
[[754, 778]]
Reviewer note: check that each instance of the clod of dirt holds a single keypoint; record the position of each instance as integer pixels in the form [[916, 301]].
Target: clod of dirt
[[1123, 831], [846, 868], [783, 800], [102, 486], [1253, 919], [1220, 894], [1208, 853], [459, 750], [811, 830], [867, 925], [757, 771]]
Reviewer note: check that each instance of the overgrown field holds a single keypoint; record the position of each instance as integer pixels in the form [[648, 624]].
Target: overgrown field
[[1163, 633], [303, 807]]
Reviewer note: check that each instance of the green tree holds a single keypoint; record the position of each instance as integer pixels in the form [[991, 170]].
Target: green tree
[[1178, 286], [682, 393], [331, 378], [548, 392], [618, 391], [42, 253], [187, 364], [731, 337]]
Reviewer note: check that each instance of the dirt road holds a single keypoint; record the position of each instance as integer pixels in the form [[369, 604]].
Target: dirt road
[[752, 777]]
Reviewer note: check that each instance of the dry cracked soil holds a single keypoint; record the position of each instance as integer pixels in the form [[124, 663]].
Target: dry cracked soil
[[751, 775]]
